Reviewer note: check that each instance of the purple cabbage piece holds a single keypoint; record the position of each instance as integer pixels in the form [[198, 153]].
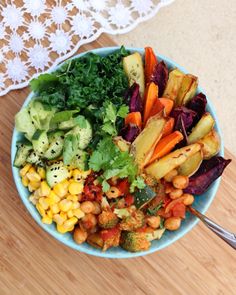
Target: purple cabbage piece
[[129, 132], [187, 115], [198, 104], [208, 172], [134, 99], [160, 77], [179, 126]]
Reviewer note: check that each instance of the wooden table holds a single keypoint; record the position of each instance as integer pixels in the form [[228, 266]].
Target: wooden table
[[32, 262]]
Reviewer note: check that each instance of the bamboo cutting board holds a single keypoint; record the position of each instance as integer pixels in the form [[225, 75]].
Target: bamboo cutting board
[[32, 262]]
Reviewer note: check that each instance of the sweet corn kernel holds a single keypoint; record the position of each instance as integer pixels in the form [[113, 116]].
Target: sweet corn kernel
[[65, 205], [70, 173], [60, 190], [25, 181], [33, 176], [49, 201], [44, 189], [58, 219], [70, 213], [78, 213], [61, 229], [63, 215], [54, 197], [40, 210], [46, 220], [32, 186], [25, 169], [72, 198], [49, 213], [41, 171], [85, 174], [75, 205], [76, 188], [77, 175], [43, 203], [65, 183], [70, 222], [55, 208], [33, 199]]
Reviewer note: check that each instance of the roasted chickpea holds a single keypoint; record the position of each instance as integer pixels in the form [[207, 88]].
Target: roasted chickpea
[[97, 208], [180, 181], [154, 221], [79, 197], [89, 221], [80, 235], [169, 176], [188, 199], [87, 207], [113, 193], [168, 188], [172, 223], [176, 193]]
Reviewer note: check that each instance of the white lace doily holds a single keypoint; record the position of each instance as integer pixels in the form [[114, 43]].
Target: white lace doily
[[35, 35]]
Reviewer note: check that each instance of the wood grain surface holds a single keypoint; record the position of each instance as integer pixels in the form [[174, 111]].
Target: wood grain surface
[[32, 262]]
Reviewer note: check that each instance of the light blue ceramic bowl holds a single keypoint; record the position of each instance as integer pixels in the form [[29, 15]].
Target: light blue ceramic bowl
[[201, 202]]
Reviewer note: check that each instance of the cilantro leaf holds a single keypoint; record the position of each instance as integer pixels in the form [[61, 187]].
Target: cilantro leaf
[[137, 183], [123, 111]]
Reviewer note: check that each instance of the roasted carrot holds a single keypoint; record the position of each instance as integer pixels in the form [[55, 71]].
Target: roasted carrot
[[157, 107], [134, 118], [151, 95], [150, 63], [169, 126], [168, 104], [165, 145]]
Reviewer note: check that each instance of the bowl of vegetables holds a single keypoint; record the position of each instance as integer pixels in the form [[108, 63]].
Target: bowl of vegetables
[[110, 149]]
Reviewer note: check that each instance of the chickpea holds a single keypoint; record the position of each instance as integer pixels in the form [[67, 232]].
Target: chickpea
[[168, 188], [87, 207], [154, 221], [113, 193], [80, 235], [169, 176], [180, 181], [89, 221], [97, 208], [176, 193], [172, 223], [79, 197], [188, 199]]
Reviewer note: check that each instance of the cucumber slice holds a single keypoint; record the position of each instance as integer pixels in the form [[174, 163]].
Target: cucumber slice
[[84, 134], [35, 159], [23, 150], [40, 141], [63, 116], [56, 173], [66, 124], [55, 148], [80, 160], [24, 123], [143, 196]]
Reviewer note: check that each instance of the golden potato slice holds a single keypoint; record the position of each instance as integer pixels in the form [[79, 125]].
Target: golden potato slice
[[122, 144], [134, 69], [143, 146], [203, 127], [173, 84], [161, 167], [191, 165], [210, 144], [187, 90]]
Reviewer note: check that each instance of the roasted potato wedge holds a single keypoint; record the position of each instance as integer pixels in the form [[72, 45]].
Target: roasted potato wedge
[[210, 144], [187, 90], [203, 127], [173, 84], [161, 167], [191, 165], [122, 144], [133, 67], [143, 146]]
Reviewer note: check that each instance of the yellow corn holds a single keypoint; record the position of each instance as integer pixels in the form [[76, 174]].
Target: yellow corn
[[78, 213], [37, 193], [49, 201], [54, 197], [61, 229], [33, 176], [72, 198], [41, 171], [40, 210], [75, 205], [25, 181], [76, 188], [58, 219], [65, 205], [49, 213], [33, 185], [77, 175], [65, 183], [55, 208], [85, 174], [60, 190], [44, 189], [25, 169], [33, 199], [70, 213], [43, 203], [70, 173], [70, 222], [47, 220]]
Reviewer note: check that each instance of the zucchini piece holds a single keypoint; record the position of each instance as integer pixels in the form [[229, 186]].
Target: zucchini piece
[[40, 141], [80, 160], [35, 159], [24, 123], [54, 135], [143, 196], [191, 165], [56, 173], [23, 150], [203, 127], [134, 69], [210, 145], [55, 148], [161, 167], [83, 133]]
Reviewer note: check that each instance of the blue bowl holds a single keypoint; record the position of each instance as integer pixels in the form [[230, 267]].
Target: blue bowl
[[201, 202]]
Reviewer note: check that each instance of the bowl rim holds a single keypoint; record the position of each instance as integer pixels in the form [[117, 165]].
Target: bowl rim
[[178, 234]]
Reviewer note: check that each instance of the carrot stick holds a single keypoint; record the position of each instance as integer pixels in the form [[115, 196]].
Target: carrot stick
[[168, 104], [150, 99], [157, 107], [150, 63], [165, 145], [168, 128], [134, 118]]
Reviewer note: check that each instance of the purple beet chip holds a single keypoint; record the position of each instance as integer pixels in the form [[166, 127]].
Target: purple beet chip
[[130, 132], [160, 77], [134, 99]]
